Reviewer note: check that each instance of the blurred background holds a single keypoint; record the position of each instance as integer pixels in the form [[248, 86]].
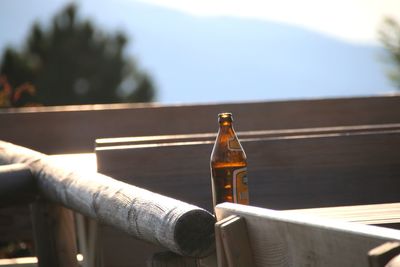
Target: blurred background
[[63, 52]]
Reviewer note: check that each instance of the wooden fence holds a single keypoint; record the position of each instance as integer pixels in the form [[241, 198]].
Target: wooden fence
[[344, 148]]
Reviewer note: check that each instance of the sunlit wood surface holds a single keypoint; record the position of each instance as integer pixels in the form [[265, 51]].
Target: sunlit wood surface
[[378, 214], [295, 239]]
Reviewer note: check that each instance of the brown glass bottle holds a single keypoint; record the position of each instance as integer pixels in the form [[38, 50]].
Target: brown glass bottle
[[228, 165]]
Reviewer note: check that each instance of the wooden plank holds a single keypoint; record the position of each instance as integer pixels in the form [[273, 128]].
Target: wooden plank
[[219, 246], [112, 143], [343, 169], [236, 243], [281, 239], [105, 121]]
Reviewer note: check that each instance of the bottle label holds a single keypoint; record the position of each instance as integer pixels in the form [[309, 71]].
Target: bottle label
[[240, 186]]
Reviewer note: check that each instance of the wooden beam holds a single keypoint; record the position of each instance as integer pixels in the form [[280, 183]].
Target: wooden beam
[[178, 226], [54, 232], [17, 185], [219, 245], [236, 243]]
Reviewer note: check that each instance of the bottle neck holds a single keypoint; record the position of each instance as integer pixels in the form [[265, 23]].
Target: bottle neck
[[225, 125]]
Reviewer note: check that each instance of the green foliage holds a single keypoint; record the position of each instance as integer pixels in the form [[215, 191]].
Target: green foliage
[[390, 37], [72, 62]]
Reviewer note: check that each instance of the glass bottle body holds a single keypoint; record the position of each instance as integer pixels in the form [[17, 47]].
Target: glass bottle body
[[228, 165]]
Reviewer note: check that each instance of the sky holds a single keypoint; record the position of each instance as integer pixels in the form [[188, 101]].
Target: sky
[[348, 28], [350, 20]]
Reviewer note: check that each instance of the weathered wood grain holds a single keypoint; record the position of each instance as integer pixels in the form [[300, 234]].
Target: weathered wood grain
[[281, 239], [219, 245], [236, 245], [178, 226], [375, 214], [105, 121]]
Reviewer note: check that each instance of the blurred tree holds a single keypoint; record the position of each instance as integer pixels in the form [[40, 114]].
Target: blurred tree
[[71, 62], [390, 37]]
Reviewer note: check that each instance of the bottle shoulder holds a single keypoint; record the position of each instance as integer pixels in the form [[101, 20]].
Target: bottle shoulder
[[224, 155], [228, 149]]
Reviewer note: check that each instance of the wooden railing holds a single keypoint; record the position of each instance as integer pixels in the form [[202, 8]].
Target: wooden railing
[[180, 227], [302, 154], [244, 236]]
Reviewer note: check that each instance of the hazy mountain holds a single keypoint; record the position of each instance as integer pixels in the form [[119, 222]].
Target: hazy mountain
[[197, 59]]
